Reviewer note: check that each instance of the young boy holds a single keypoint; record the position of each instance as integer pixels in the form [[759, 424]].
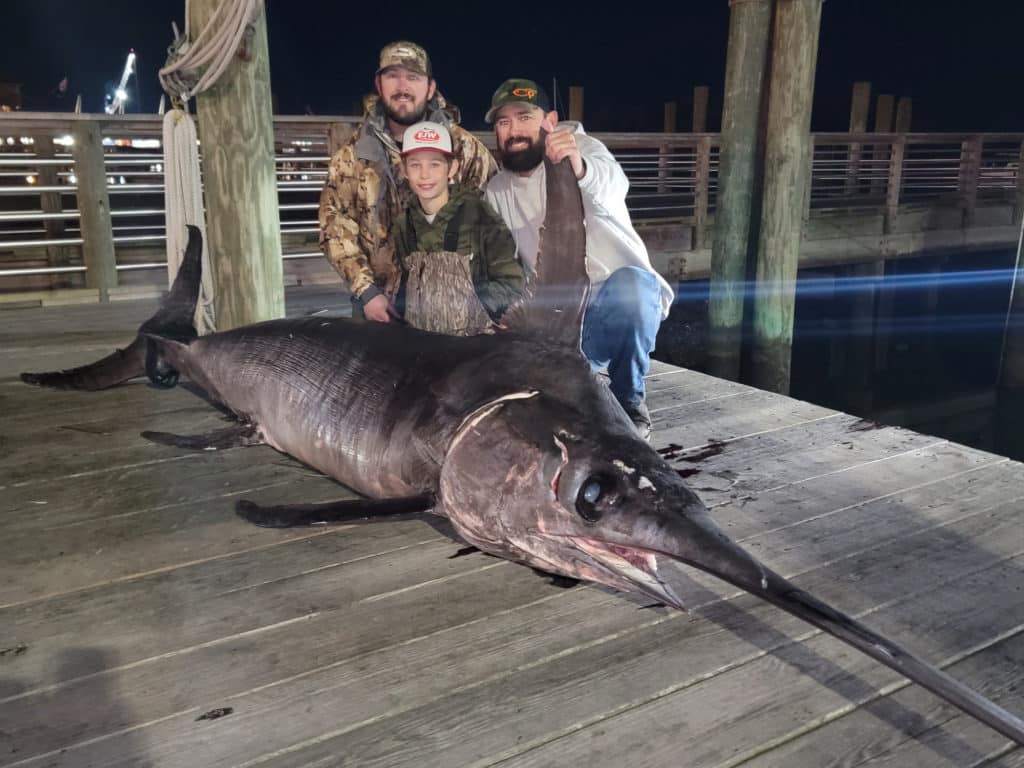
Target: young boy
[[459, 266]]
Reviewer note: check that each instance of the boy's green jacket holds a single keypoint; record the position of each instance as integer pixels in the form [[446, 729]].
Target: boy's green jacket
[[498, 275]]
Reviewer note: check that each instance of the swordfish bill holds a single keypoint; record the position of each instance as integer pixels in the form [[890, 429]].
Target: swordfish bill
[[510, 436]]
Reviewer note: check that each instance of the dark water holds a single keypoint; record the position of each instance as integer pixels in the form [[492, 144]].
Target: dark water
[[929, 360]]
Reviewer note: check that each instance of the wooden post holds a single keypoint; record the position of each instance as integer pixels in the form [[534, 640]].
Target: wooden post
[[883, 113], [859, 378], [970, 169], [243, 223], [860, 105], [50, 202], [670, 117], [794, 52], [663, 152], [737, 212], [895, 183], [576, 103], [94, 208], [700, 200], [904, 113], [700, 109], [883, 124]]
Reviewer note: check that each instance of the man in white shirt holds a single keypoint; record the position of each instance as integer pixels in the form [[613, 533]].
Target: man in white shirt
[[628, 298]]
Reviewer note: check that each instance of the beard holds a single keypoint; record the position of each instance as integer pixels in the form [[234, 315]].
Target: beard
[[416, 113], [526, 159]]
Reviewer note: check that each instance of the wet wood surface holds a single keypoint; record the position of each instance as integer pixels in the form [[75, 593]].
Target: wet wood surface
[[143, 624]]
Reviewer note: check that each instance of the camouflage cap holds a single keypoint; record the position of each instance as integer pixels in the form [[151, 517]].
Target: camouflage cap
[[402, 53], [517, 91]]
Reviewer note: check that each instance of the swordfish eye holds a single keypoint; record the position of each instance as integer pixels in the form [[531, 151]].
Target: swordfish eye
[[592, 492]]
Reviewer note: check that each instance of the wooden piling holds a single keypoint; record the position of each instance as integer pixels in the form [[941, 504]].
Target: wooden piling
[[236, 133], [883, 124], [94, 208], [787, 174], [860, 370], [50, 202], [737, 212], [904, 113], [860, 105], [576, 103], [664, 152], [700, 109]]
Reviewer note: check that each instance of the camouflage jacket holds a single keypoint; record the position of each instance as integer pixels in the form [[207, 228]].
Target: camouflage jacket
[[365, 193]]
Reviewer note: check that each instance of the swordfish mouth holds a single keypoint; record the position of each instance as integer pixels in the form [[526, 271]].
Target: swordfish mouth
[[627, 568]]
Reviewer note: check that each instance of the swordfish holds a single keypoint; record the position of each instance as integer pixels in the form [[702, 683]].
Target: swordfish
[[512, 437]]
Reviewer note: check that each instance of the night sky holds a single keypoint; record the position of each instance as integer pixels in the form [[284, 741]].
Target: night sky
[[959, 61]]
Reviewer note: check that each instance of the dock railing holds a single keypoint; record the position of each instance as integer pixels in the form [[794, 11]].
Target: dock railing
[[673, 181]]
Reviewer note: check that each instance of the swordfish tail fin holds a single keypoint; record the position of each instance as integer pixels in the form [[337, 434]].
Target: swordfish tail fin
[[173, 320]]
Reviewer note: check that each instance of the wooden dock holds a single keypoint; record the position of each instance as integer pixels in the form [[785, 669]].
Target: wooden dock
[[143, 624]]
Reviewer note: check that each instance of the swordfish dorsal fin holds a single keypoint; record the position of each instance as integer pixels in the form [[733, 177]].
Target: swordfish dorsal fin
[[556, 296]]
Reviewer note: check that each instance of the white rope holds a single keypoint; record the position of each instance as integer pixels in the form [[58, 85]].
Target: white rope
[[192, 67], [195, 65], [183, 201]]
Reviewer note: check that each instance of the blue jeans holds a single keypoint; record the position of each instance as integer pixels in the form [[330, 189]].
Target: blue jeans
[[619, 330]]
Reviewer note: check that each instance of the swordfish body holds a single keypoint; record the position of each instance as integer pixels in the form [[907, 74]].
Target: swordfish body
[[512, 437], [372, 405]]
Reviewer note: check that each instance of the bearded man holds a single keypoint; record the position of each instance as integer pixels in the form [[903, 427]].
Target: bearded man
[[365, 191], [628, 298]]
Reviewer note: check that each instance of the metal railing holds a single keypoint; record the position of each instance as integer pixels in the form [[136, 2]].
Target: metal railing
[[673, 179]]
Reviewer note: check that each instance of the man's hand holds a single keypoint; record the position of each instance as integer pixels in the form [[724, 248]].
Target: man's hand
[[377, 309], [562, 144]]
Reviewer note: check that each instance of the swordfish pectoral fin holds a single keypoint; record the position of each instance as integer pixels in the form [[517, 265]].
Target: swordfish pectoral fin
[[332, 512], [556, 296], [236, 436]]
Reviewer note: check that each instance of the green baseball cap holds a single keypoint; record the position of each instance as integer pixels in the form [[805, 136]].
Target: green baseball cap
[[517, 91]]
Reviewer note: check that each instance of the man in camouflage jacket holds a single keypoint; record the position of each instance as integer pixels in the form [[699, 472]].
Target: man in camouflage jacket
[[365, 191]]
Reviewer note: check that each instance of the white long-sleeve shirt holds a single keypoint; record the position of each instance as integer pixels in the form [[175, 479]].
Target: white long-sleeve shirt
[[612, 242]]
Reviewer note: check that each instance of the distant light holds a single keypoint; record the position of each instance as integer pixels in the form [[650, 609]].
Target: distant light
[[122, 94], [107, 141], [305, 177], [111, 181], [72, 179], [27, 140], [159, 167], [146, 143], [30, 179], [121, 180], [64, 141], [10, 139]]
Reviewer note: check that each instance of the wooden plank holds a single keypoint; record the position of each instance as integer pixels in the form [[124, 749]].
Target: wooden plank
[[877, 572], [322, 641], [25, 460], [128, 544], [524, 706], [780, 690], [899, 729]]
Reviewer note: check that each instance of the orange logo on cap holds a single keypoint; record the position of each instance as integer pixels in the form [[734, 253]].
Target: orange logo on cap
[[527, 93], [427, 134]]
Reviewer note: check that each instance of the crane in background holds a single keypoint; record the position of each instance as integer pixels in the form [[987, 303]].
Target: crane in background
[[116, 101]]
